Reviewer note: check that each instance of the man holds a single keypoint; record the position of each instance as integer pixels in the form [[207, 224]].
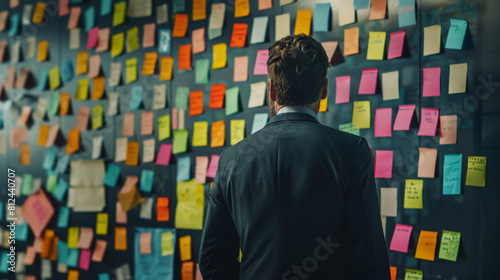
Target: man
[[297, 197]]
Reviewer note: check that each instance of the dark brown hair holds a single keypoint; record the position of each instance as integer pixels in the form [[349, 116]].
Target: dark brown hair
[[297, 66]]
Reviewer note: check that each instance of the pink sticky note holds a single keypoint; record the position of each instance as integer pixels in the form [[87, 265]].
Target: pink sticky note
[[383, 122], [92, 38], [330, 48], [383, 164], [368, 83], [260, 67], [396, 44], [212, 168], [84, 261], [37, 211], [145, 243], [164, 154], [198, 40], [428, 122], [404, 116], [401, 238], [175, 115], [86, 236], [343, 89], [121, 216], [432, 82], [63, 7]]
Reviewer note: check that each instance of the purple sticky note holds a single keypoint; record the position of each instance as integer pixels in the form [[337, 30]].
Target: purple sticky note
[[92, 38], [432, 82], [212, 168], [396, 44], [260, 67], [428, 122], [383, 122], [401, 238], [404, 116], [343, 89], [84, 261], [368, 83], [164, 154], [383, 164]]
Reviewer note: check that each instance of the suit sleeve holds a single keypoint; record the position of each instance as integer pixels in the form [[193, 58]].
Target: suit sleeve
[[219, 242], [366, 245]]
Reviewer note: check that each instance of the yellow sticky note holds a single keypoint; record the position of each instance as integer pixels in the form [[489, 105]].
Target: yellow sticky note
[[413, 274], [241, 8], [458, 78], [97, 117], [303, 22], [237, 131], [102, 224], [185, 247], [131, 70], [199, 9], [166, 67], [167, 243], [73, 236], [218, 134], [200, 134], [361, 114], [163, 127], [117, 44], [54, 79], [149, 66], [82, 65], [43, 51], [119, 14], [323, 105], [376, 46], [219, 56], [43, 135], [190, 201], [82, 90], [413, 194], [39, 12], [476, 172], [133, 39], [432, 39], [426, 247]]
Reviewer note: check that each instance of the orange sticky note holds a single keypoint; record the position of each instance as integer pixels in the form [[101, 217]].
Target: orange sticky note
[[149, 66], [147, 122], [199, 9], [426, 247], [43, 51], [72, 275], [166, 67], [98, 88], [351, 41], [99, 250], [239, 37], [217, 96], [53, 250], [185, 247], [148, 38], [218, 134], [265, 4], [448, 130], [241, 8], [185, 57], [24, 155], [394, 271], [187, 270], [145, 243], [377, 10], [427, 162], [64, 101], [132, 153], [47, 243], [303, 22], [120, 238], [128, 124], [73, 141], [43, 135], [180, 25], [39, 12], [162, 209], [82, 62], [196, 103], [74, 16]]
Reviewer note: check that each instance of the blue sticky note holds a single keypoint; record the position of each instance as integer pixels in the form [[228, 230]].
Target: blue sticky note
[[62, 164], [456, 35], [4, 265], [49, 159], [72, 257], [14, 25], [164, 41], [112, 175], [89, 18], [321, 17], [63, 218], [407, 15], [43, 80], [62, 251], [452, 174], [22, 232], [259, 121], [103, 276], [135, 97], [182, 98], [147, 178], [178, 6], [105, 7], [361, 4], [67, 70], [60, 190], [183, 169]]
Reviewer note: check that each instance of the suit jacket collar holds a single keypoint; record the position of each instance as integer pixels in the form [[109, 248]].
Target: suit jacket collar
[[287, 117]]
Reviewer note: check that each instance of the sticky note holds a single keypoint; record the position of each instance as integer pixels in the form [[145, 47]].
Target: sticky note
[[131, 70], [132, 39], [241, 8], [132, 153], [376, 45], [458, 78], [120, 238], [200, 134], [413, 274], [401, 238], [183, 168], [67, 70], [111, 176], [102, 224], [99, 250], [119, 13], [232, 100], [166, 67], [163, 127], [406, 11], [97, 88], [282, 26], [162, 209], [63, 218], [89, 18], [322, 17], [368, 83], [259, 30], [196, 103], [351, 41], [361, 114], [201, 170], [330, 49], [148, 150], [257, 94], [217, 93], [448, 130], [105, 7], [452, 174], [432, 82], [54, 78], [456, 34], [167, 243], [149, 66], [121, 149], [396, 44], [198, 40], [43, 51], [117, 42], [180, 25], [216, 20], [97, 118], [237, 131], [145, 243], [377, 10], [240, 73], [383, 122], [14, 25], [182, 98], [429, 121], [190, 202], [260, 67], [202, 68], [413, 194], [346, 12], [212, 168], [73, 144], [180, 141], [393, 269], [432, 39], [219, 56], [165, 36], [185, 57], [239, 36], [218, 134], [73, 236], [343, 89], [404, 117], [383, 164], [389, 202], [303, 22], [450, 242], [92, 38], [426, 246], [185, 247], [148, 37], [427, 162], [476, 172], [147, 122], [146, 182], [265, 4], [128, 124], [390, 85]]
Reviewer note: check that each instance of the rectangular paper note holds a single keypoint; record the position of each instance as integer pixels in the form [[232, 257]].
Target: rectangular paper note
[[240, 69], [389, 202], [282, 28], [343, 89], [456, 34], [426, 247], [322, 17], [259, 30], [448, 130], [368, 83], [396, 44], [450, 243], [429, 121], [401, 238], [257, 94], [260, 67], [432, 82], [351, 41], [376, 45], [200, 134], [361, 114], [452, 174], [383, 122], [237, 131], [427, 162], [476, 172], [432, 39], [218, 134], [303, 22], [404, 117], [346, 13], [383, 164], [413, 194], [458, 78], [377, 10], [390, 85]]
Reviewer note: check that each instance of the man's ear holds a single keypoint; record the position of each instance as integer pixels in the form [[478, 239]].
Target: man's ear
[[324, 92], [271, 91]]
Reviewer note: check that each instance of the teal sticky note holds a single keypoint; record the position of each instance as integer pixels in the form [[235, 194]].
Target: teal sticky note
[[50, 157], [322, 17], [54, 103], [62, 251], [27, 184], [452, 174], [259, 121], [89, 18], [182, 98], [1, 119], [407, 16], [14, 25], [105, 7], [22, 232], [103, 276], [43, 80], [112, 175], [183, 169], [178, 6], [232, 100], [72, 257], [361, 4], [62, 164], [4, 265], [60, 190], [63, 218], [135, 97], [202, 68], [164, 40], [67, 70], [147, 178], [456, 34], [51, 182]]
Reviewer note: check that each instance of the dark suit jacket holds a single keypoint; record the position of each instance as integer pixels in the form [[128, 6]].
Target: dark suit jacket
[[299, 199]]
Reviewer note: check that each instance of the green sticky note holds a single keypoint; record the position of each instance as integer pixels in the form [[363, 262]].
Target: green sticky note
[[202, 68], [232, 100], [119, 15], [450, 242], [132, 39], [476, 172], [179, 6], [27, 184], [54, 78], [51, 182], [413, 274], [349, 128], [182, 98], [180, 142], [54, 104], [97, 117]]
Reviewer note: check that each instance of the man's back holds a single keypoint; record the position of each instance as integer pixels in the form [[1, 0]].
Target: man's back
[[295, 194]]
